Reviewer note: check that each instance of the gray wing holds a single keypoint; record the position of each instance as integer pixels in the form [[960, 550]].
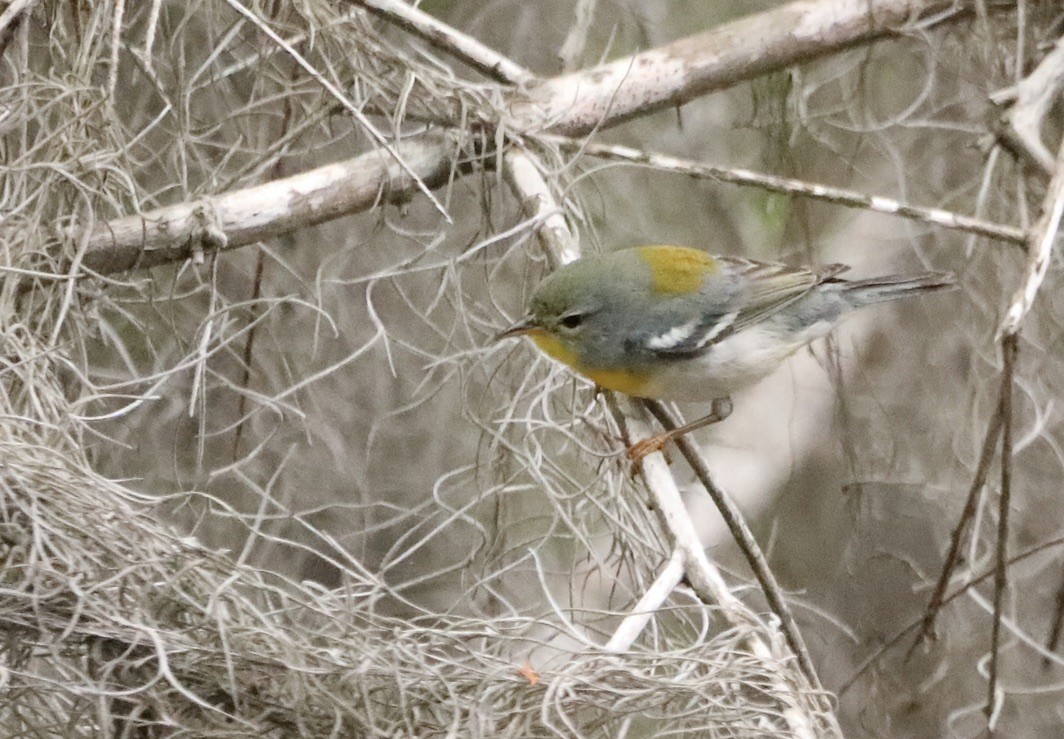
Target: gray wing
[[763, 289]]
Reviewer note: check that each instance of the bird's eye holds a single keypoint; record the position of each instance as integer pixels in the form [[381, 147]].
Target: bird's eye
[[573, 320]]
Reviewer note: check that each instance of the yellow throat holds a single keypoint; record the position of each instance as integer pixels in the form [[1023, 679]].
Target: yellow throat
[[621, 380]]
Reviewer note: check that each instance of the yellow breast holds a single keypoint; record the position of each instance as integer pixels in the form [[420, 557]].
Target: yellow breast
[[621, 380]]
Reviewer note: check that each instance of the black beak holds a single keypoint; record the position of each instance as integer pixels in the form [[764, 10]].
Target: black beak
[[525, 325]]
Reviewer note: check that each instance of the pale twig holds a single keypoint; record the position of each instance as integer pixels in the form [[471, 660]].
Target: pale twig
[[14, 9], [576, 39], [252, 214], [751, 46], [800, 188], [116, 47], [537, 202], [746, 542], [149, 34], [449, 40], [1040, 249], [1031, 99], [625, 635], [867, 663], [344, 101]]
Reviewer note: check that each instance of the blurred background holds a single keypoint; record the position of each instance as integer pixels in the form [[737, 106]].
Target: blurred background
[[329, 402]]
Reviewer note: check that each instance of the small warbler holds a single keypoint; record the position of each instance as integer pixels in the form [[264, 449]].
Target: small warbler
[[674, 323]]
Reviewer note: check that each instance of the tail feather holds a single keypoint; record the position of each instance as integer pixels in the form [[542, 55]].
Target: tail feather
[[892, 287]]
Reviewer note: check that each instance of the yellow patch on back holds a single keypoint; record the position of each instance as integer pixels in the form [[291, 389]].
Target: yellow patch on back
[[677, 270], [623, 381]]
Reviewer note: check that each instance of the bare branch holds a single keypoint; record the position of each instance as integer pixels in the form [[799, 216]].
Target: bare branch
[[449, 40], [574, 104], [800, 188], [537, 202], [986, 457], [1009, 347], [1031, 100], [671, 75], [900, 635], [655, 596], [746, 542], [1040, 249], [262, 212], [344, 101]]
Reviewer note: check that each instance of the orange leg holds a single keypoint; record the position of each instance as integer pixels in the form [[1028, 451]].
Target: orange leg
[[722, 408]]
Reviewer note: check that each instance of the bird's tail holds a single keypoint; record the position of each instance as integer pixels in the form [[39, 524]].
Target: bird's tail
[[892, 287]]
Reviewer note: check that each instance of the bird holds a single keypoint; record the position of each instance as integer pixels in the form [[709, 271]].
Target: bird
[[675, 323]]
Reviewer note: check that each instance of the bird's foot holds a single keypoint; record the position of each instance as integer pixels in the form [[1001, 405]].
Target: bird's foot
[[722, 408]]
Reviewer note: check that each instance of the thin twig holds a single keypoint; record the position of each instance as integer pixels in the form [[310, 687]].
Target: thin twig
[[449, 40], [799, 188], [1042, 238], [116, 47], [1031, 100], [633, 624], [11, 18], [1040, 250], [961, 590], [576, 39], [151, 27], [537, 202], [344, 101], [1058, 620], [1008, 348], [748, 545], [982, 470]]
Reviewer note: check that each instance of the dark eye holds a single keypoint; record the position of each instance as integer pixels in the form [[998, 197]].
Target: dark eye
[[573, 320]]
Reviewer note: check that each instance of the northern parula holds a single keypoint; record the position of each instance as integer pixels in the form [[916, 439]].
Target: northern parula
[[674, 323]]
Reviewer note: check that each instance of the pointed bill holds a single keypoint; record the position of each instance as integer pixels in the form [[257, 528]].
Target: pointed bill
[[524, 326]]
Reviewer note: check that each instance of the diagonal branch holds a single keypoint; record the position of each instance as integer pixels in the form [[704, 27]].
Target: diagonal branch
[[1040, 250], [982, 471], [799, 188], [900, 635], [246, 216], [746, 542], [1031, 100], [752, 46], [439, 35]]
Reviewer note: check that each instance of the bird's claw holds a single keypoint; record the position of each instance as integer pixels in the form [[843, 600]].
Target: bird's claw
[[641, 449]]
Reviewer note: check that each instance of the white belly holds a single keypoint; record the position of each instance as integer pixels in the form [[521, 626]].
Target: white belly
[[736, 362]]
